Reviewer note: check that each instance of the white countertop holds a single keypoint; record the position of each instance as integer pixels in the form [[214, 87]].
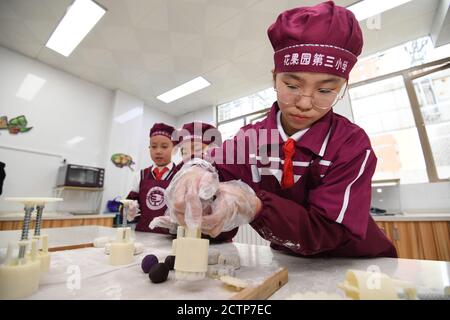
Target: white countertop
[[101, 281], [414, 217], [54, 216]]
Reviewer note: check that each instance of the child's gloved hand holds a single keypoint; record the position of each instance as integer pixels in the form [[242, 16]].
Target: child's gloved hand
[[196, 182], [236, 204], [163, 222], [133, 210]]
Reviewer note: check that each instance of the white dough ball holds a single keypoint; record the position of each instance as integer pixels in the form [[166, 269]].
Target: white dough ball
[[100, 242]]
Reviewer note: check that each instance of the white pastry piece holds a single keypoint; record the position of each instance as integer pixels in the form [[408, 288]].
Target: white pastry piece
[[364, 285], [100, 242], [236, 283]]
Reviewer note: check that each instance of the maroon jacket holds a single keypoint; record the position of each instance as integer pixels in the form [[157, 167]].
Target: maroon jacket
[[326, 211]]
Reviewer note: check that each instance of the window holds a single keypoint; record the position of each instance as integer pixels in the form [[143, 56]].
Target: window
[[382, 109], [250, 109], [405, 110], [433, 95], [229, 129], [402, 57], [382, 106]]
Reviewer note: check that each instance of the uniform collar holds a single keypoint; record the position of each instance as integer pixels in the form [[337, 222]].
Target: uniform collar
[[314, 138], [296, 136], [169, 166]]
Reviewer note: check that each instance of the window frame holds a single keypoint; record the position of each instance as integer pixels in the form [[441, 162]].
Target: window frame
[[408, 76], [244, 116]]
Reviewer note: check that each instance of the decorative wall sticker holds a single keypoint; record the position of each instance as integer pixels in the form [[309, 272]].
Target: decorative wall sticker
[[15, 125], [121, 160]]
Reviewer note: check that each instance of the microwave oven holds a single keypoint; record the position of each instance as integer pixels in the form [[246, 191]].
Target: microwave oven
[[72, 175]]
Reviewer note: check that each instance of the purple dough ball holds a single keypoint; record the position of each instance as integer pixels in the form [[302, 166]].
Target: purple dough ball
[[170, 262], [158, 273], [148, 262]]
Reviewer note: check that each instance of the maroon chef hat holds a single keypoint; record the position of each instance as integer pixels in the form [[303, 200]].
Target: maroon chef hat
[[162, 129], [324, 38], [199, 131]]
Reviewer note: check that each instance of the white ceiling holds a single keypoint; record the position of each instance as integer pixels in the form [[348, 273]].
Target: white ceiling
[[146, 47]]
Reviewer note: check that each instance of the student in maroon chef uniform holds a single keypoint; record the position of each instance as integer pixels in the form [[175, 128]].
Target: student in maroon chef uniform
[[148, 191], [302, 176]]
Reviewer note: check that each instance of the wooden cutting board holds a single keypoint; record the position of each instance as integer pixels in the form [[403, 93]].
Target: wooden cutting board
[[265, 289]]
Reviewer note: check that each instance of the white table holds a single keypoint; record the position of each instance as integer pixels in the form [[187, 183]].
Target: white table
[[101, 281]]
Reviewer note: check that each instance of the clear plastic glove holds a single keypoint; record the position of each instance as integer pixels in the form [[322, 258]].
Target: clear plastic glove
[[236, 204], [164, 222], [133, 210], [189, 192]]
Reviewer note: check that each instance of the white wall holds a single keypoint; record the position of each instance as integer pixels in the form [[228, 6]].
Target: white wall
[[64, 107], [413, 198], [123, 138], [425, 197]]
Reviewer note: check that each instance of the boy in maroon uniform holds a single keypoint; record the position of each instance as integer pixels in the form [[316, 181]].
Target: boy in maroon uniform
[[304, 172], [148, 190]]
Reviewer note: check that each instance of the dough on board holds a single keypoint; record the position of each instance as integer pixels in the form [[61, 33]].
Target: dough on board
[[237, 283]]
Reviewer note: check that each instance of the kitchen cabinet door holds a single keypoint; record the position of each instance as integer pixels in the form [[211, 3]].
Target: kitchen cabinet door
[[404, 237], [407, 239], [428, 247], [442, 233], [435, 239]]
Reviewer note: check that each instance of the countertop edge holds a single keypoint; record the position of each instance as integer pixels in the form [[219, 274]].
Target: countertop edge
[[63, 217]]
